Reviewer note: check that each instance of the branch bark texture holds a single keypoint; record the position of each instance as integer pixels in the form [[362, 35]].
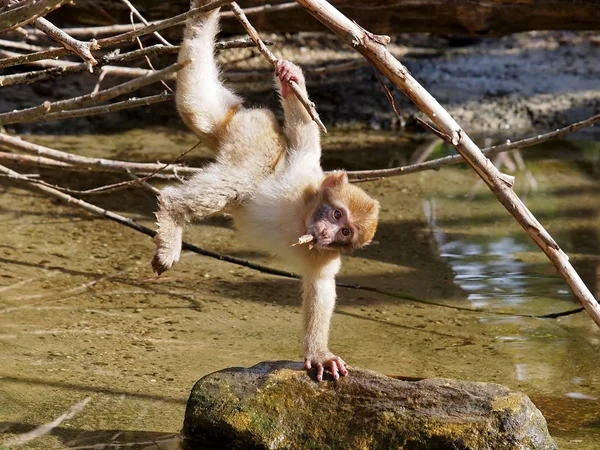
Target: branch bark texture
[[373, 49]]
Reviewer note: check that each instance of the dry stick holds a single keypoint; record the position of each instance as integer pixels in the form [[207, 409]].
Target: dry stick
[[240, 262], [22, 45], [109, 188], [436, 164], [105, 109], [371, 48], [21, 15], [38, 112], [145, 22], [107, 165], [61, 68], [128, 36], [15, 59], [269, 56], [111, 29], [83, 49], [48, 163]]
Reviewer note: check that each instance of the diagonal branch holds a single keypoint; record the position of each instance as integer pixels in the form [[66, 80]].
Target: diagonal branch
[[83, 49], [269, 56], [23, 14], [374, 51]]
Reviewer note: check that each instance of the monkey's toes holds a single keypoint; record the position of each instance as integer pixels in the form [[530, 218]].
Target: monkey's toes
[[333, 364], [158, 266]]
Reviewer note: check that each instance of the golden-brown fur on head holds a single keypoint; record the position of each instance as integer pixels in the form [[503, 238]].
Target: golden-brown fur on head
[[363, 210]]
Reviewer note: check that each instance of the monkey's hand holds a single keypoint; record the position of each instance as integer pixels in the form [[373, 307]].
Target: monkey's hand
[[287, 71], [326, 360]]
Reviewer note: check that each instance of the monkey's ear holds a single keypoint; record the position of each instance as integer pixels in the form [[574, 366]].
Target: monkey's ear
[[335, 179]]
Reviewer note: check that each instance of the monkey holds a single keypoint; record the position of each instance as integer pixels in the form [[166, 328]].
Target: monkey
[[268, 177]]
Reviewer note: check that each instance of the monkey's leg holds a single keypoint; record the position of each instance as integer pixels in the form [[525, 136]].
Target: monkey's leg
[[318, 301], [207, 193], [202, 101]]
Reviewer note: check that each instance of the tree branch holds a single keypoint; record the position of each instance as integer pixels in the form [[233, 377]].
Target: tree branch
[[436, 164], [374, 51], [107, 165], [83, 49], [269, 56], [21, 15], [38, 112]]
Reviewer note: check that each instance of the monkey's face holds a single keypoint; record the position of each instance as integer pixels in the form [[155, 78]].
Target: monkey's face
[[331, 227], [344, 217]]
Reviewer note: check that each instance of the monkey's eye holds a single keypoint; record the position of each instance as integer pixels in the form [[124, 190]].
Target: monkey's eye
[[337, 214], [346, 232]]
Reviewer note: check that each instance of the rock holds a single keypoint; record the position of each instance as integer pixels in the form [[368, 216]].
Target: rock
[[275, 405]]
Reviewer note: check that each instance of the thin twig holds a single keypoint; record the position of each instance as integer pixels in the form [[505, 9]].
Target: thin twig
[[22, 15], [436, 164], [15, 59], [112, 29], [125, 37], [22, 45], [38, 112], [109, 165], [272, 59], [106, 109], [47, 163], [135, 12], [83, 49]]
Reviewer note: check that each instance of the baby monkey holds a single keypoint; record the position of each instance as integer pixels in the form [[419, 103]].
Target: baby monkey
[[269, 178]]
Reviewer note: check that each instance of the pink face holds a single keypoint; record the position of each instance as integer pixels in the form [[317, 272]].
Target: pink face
[[331, 227]]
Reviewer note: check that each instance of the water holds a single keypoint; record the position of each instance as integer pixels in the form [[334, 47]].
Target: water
[[96, 352]]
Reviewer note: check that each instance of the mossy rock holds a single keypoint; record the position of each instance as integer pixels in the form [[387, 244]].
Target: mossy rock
[[275, 405]]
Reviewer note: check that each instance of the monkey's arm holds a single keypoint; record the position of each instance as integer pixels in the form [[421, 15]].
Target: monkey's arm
[[318, 301], [301, 131]]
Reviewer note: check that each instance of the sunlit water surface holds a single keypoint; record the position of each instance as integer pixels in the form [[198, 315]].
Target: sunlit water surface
[[96, 352]]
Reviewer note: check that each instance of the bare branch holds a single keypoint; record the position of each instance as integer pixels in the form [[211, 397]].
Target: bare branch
[[24, 14], [377, 54], [48, 56], [83, 49], [145, 22], [436, 164], [37, 112], [106, 109], [107, 165], [47, 163], [269, 56], [112, 29], [21, 45], [124, 37]]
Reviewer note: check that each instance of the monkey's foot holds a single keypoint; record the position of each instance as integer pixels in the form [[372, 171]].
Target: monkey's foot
[[168, 246], [287, 71], [329, 361]]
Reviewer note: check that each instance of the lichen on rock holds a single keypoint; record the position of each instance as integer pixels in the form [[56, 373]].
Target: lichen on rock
[[275, 405]]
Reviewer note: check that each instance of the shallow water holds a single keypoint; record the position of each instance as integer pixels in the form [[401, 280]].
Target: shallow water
[[97, 352]]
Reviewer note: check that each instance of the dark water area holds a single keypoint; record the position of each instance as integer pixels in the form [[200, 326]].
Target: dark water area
[[98, 353]]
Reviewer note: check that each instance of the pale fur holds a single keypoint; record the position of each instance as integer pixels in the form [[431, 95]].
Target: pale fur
[[264, 176]]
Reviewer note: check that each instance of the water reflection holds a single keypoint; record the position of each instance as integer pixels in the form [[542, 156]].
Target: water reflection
[[490, 268]]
